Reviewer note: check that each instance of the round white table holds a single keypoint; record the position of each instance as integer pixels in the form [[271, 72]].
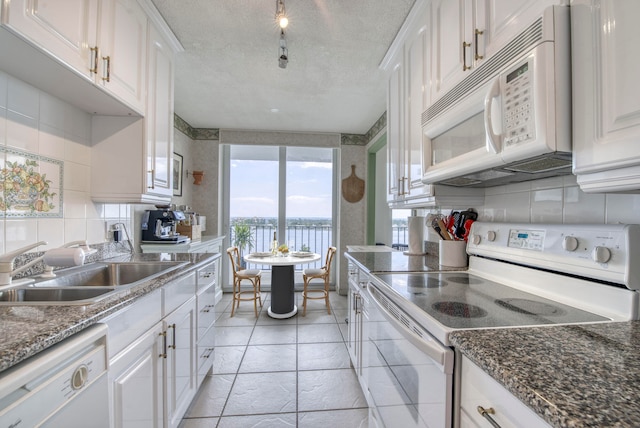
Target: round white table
[[282, 281]]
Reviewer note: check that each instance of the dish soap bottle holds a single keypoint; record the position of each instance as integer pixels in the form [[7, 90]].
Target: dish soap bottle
[[274, 244]]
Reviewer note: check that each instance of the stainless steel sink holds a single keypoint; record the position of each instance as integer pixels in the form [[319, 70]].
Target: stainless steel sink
[[54, 296], [110, 274], [86, 284]]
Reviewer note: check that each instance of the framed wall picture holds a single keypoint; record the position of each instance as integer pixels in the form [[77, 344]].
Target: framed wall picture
[[177, 174]]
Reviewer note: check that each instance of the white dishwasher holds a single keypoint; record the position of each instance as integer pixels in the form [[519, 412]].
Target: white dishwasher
[[62, 386]]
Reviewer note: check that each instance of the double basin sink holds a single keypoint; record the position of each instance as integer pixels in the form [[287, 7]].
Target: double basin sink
[[87, 284]]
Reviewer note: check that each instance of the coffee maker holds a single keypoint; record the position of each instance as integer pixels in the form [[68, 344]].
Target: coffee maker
[[159, 226]]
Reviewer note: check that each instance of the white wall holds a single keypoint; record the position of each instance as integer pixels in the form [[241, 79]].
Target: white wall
[[36, 122]]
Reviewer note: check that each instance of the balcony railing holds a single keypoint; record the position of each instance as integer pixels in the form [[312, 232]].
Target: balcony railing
[[307, 238], [297, 238]]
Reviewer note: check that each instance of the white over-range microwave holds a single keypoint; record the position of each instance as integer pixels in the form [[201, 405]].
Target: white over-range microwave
[[510, 119]]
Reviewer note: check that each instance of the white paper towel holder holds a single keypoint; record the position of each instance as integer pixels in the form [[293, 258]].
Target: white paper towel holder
[[415, 226]]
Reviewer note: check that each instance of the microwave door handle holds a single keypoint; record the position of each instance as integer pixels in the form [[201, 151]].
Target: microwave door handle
[[493, 140]]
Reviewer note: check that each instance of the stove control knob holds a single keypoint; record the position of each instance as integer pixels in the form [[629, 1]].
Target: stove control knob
[[477, 239], [491, 236], [601, 254], [570, 243]]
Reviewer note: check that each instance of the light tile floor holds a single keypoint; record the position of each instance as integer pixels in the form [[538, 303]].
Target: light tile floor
[[280, 373]]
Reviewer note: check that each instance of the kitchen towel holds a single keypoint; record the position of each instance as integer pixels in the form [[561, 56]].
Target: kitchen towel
[[64, 257], [416, 235]]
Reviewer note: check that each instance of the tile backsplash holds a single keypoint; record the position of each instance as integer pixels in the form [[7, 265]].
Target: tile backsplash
[[557, 200], [36, 122]]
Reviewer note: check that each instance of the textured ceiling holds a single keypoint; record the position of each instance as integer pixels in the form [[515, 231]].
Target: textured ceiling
[[228, 76]]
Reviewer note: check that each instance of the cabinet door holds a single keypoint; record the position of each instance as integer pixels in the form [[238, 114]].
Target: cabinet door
[[135, 375], [159, 118], [123, 51], [181, 370], [451, 60], [501, 20], [66, 30], [416, 82], [351, 344], [394, 133], [477, 388], [606, 95]]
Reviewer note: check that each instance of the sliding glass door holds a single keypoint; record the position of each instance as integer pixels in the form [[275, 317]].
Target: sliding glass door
[[289, 191]]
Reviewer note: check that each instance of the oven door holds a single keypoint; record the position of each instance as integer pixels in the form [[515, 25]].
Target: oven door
[[410, 374]]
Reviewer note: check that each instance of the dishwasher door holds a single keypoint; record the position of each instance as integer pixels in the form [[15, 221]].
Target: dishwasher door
[[63, 386]]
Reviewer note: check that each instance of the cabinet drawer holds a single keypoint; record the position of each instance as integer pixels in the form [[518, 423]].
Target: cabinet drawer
[[480, 389], [206, 346], [177, 292], [130, 323], [206, 275], [206, 310]]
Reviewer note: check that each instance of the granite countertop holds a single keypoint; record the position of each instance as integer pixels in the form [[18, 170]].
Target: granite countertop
[[27, 330], [572, 376], [397, 261]]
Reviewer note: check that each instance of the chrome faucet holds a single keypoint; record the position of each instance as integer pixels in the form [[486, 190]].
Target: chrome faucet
[[7, 272]]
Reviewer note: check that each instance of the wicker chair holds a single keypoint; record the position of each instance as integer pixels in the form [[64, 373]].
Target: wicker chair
[[323, 273], [239, 275]]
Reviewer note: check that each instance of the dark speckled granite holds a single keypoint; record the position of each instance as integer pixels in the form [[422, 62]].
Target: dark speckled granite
[[396, 261], [572, 376], [27, 330]]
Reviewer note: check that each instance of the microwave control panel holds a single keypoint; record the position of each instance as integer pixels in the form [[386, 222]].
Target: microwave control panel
[[518, 109]]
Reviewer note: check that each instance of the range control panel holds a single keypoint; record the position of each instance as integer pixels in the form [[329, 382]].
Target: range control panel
[[603, 252]]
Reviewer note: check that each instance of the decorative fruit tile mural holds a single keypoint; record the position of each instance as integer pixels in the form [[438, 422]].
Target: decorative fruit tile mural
[[30, 184]]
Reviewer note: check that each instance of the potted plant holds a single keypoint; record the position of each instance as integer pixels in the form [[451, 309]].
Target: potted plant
[[242, 238]]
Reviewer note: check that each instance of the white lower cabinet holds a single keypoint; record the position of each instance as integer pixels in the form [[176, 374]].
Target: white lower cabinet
[[205, 337], [136, 377], [180, 361], [160, 350], [357, 320], [480, 391]]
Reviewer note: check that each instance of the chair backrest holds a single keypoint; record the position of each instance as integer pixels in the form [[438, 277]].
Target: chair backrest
[[234, 255], [331, 251]]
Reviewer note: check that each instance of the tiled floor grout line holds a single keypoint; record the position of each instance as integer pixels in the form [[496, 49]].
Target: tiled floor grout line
[[335, 321]]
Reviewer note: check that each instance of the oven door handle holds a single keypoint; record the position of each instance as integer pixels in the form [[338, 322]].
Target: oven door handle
[[441, 355]]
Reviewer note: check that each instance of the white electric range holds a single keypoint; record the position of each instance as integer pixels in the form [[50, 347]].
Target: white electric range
[[519, 275]]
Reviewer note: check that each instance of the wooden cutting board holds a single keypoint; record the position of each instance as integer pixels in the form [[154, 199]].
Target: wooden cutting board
[[352, 187]]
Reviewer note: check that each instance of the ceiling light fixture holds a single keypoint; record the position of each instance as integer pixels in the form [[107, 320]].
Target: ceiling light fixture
[[281, 14], [283, 53]]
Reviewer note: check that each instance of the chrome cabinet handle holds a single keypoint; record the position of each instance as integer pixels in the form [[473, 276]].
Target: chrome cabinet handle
[[486, 413], [465, 67], [93, 61], [478, 33], [107, 62], [153, 179], [173, 341], [164, 344]]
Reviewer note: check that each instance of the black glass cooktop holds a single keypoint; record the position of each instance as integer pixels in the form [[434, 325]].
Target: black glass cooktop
[[460, 300]]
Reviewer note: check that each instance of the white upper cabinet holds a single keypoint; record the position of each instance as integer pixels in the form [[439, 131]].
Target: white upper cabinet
[[159, 119], [395, 133], [102, 41], [122, 51], [406, 64], [132, 157], [465, 33], [67, 30], [606, 94]]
